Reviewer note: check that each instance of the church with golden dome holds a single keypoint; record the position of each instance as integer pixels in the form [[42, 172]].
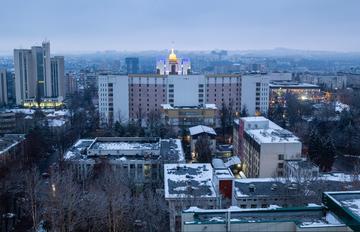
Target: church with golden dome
[[173, 65]]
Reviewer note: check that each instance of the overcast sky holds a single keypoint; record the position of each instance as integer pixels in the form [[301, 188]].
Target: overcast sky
[[133, 25]]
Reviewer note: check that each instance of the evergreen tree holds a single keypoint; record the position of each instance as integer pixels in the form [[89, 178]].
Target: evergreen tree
[[244, 112], [321, 151], [202, 148]]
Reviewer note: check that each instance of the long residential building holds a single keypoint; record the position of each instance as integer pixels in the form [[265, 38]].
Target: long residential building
[[134, 96], [37, 75]]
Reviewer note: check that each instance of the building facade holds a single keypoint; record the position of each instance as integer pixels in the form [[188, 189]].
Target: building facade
[[57, 77], [181, 117], [7, 122], [263, 147], [140, 159], [302, 91], [143, 93]]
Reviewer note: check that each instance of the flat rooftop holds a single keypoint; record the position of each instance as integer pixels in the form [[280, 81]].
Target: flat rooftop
[[273, 135], [292, 85], [195, 130], [170, 150], [188, 180], [267, 131], [199, 107], [305, 217], [223, 174], [120, 143], [282, 186]]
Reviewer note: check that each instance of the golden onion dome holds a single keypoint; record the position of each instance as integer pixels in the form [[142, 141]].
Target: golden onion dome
[[172, 56]]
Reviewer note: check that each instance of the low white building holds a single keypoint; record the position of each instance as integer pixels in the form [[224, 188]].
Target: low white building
[[264, 146]]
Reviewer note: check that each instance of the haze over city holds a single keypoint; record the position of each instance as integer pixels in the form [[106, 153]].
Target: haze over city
[[135, 25], [179, 116]]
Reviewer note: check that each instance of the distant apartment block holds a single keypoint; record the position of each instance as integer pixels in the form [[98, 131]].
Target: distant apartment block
[[263, 147], [57, 76], [37, 75], [3, 88], [303, 91], [70, 84], [327, 80], [132, 65]]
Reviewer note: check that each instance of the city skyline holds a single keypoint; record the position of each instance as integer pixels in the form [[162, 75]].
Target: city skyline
[[327, 25]]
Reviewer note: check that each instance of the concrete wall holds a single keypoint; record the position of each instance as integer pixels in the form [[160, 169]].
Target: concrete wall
[[269, 156]]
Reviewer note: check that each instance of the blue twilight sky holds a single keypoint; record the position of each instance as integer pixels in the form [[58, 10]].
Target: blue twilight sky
[[133, 25]]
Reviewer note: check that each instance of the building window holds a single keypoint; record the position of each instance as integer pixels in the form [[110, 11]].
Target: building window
[[281, 156], [147, 170]]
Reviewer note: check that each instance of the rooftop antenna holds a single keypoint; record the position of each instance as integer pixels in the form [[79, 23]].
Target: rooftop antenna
[[172, 44]]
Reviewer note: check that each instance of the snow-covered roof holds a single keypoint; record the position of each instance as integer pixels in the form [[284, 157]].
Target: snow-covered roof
[[125, 149], [211, 106], [232, 160], [24, 111], [56, 122], [262, 130], [255, 118], [223, 174], [195, 130], [311, 216], [272, 186], [78, 149], [117, 145], [340, 107], [218, 163], [172, 151], [188, 180], [206, 106], [292, 85]]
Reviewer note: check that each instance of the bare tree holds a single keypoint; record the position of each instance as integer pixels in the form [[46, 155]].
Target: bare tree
[[32, 190], [202, 149], [63, 199]]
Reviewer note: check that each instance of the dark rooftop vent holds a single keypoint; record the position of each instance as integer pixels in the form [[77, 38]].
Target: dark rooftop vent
[[251, 188], [273, 187]]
